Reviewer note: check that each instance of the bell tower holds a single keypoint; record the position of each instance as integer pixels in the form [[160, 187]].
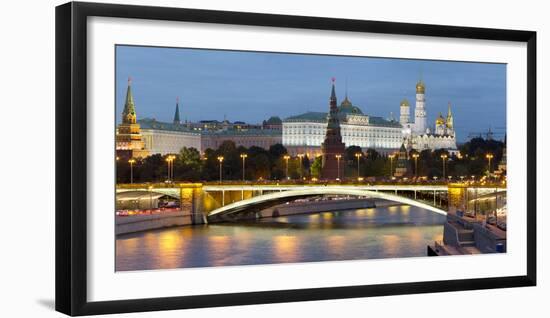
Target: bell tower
[[420, 123]]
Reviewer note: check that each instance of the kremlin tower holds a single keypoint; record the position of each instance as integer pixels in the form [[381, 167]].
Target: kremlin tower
[[177, 120], [129, 143], [332, 145]]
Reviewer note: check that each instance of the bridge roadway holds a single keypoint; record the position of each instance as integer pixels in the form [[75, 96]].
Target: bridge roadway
[[286, 187]]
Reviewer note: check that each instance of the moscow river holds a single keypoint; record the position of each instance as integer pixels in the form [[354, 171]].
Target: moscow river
[[383, 232]]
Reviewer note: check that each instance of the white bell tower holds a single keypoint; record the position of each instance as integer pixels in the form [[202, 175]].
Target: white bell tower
[[420, 123]]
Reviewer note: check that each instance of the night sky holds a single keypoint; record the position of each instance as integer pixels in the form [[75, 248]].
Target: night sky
[[252, 86]]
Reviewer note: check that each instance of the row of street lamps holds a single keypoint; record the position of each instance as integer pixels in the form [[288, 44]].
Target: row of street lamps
[[170, 164]]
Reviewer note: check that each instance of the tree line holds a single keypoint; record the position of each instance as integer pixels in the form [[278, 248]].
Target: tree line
[[275, 163]]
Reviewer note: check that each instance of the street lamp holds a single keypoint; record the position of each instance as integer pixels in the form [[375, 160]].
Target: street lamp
[[444, 157], [131, 162], [338, 157], [244, 156], [150, 197], [415, 156], [489, 156], [391, 163], [358, 155], [169, 166], [220, 159], [301, 156], [286, 157], [173, 158]]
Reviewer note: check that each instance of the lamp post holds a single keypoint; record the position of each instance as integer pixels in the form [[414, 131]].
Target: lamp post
[[489, 156], [220, 159], [444, 157], [415, 156], [300, 157], [244, 156], [169, 166], [173, 158], [150, 197], [358, 156], [131, 162], [338, 157], [391, 164], [286, 157]]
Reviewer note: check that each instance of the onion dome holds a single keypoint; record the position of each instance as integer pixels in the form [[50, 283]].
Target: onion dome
[[440, 120], [420, 87], [405, 102]]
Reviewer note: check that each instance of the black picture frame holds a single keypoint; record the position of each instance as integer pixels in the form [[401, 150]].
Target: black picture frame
[[71, 157]]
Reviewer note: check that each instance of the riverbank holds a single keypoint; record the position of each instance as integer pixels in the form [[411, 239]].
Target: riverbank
[[144, 222], [138, 223]]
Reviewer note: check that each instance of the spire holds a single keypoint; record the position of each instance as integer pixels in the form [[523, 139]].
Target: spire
[[346, 88], [333, 92], [333, 121], [129, 112], [177, 120], [449, 117]]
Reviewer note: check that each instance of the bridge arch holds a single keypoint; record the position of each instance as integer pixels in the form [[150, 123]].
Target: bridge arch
[[274, 198]]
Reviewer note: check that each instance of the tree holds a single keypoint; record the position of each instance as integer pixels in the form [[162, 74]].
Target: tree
[[276, 151], [231, 165], [188, 165], [260, 166], [315, 168]]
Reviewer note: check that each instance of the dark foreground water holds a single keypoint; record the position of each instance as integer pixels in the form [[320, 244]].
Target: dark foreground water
[[396, 231]]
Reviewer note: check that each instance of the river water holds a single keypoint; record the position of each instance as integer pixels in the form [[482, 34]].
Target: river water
[[382, 232]]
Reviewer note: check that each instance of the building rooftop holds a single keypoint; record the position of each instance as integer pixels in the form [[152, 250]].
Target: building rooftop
[[151, 123], [242, 132], [309, 116], [274, 120], [319, 117]]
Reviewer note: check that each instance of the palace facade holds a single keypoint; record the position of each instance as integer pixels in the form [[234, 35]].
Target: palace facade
[[304, 133]]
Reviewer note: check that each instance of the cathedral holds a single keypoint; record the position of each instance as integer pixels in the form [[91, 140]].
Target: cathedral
[[417, 135]]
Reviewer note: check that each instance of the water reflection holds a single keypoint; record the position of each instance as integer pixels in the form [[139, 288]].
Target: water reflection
[[395, 231]]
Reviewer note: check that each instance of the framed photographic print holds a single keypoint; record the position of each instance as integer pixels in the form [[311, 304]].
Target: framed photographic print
[[210, 158]]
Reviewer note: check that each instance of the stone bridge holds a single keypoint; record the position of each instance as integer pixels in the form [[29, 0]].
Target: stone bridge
[[206, 202]]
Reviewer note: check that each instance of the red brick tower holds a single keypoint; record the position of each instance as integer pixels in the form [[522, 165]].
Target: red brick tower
[[333, 144]]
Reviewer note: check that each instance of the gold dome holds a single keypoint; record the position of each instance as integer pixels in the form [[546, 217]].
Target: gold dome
[[405, 102], [440, 120], [420, 87]]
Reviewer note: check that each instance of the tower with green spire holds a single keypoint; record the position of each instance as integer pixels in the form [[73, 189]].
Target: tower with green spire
[[177, 120], [129, 112], [333, 145], [129, 143]]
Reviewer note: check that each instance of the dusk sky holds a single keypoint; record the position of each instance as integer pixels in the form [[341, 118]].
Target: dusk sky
[[252, 86]]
